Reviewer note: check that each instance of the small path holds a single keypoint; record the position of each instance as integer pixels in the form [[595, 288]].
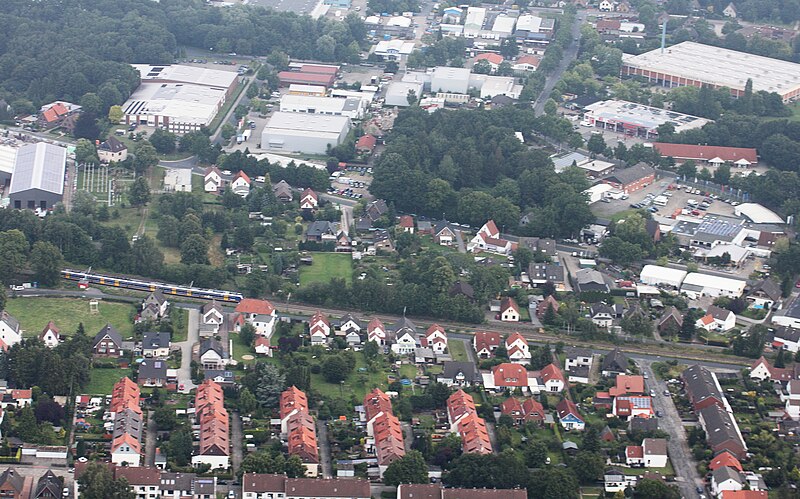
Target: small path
[[185, 371], [237, 440], [150, 441], [324, 449]]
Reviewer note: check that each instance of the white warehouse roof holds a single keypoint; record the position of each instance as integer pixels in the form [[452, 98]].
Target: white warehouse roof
[[307, 124], [757, 213], [39, 166], [654, 274], [696, 279]]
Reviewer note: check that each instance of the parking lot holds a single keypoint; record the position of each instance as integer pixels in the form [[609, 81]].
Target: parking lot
[[352, 183]]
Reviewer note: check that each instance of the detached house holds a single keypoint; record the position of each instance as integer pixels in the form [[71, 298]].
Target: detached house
[[319, 329], [488, 239], [156, 345], [112, 150], [50, 335], [614, 363], [283, 191], [717, 319], [213, 355], [154, 307], [405, 334], [212, 180], [436, 339], [107, 343], [509, 310], [485, 343], [212, 316], [309, 200], [545, 305], [602, 315], [765, 294], [260, 313], [568, 416], [671, 321], [518, 349], [240, 185], [10, 333], [460, 374], [376, 332]]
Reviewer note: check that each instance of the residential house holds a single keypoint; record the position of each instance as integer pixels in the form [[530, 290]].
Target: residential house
[[376, 332], [107, 343], [488, 239], [578, 364], [529, 410], [642, 425], [730, 11], [631, 179], [240, 185], [602, 315], [309, 200], [568, 416], [406, 224], [508, 376], [154, 306], [405, 334], [58, 113], [283, 191], [722, 431], [526, 64], [348, 324], [784, 337], [156, 345], [518, 349], [260, 313], [436, 339], [634, 456], [299, 429], [126, 451], [211, 313], [702, 388], [494, 60], [437, 491], [112, 150], [761, 369], [590, 280], [485, 343], [264, 325], [614, 480], [544, 305], [725, 458], [321, 231], [462, 288], [212, 180], [376, 209], [444, 233], [717, 319], [214, 446], [726, 479], [632, 406], [791, 398], [152, 372], [552, 379], [49, 486], [262, 346], [264, 486], [670, 322], [464, 421], [222, 377], [614, 363], [460, 374], [509, 310], [765, 294], [655, 452], [365, 144], [540, 273], [385, 435], [50, 335], [319, 329], [627, 385], [213, 354]]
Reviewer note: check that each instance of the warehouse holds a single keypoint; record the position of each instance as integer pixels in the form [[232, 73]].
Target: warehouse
[[38, 179], [712, 155], [655, 275], [350, 107], [696, 285], [695, 64], [631, 179], [500, 85], [473, 23], [302, 132], [397, 93], [453, 80], [287, 78], [637, 120], [179, 98], [758, 214]]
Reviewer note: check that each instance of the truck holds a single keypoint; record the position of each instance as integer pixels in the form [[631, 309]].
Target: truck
[[693, 203], [660, 200]]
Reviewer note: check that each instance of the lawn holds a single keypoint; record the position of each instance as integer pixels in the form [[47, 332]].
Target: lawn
[[33, 314], [102, 380], [327, 266], [359, 383], [458, 350], [180, 323]]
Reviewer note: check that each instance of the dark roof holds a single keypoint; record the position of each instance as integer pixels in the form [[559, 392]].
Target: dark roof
[[49, 485], [499, 101], [113, 145], [152, 341], [9, 319], [227, 376], [549, 271], [673, 313], [12, 478], [212, 305], [153, 369], [328, 487], [615, 361], [574, 353], [158, 295], [627, 175], [767, 287], [600, 308], [405, 324], [718, 312], [212, 344], [451, 369], [700, 384], [320, 227], [787, 333], [376, 209], [725, 473], [462, 288], [643, 424], [109, 331], [590, 280]]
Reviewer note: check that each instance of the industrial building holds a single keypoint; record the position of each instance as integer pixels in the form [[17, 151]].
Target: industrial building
[[637, 120], [287, 78], [178, 180], [758, 214], [315, 90], [454, 80], [695, 64], [350, 107], [655, 275], [179, 98], [303, 132], [38, 179], [711, 155], [397, 93], [393, 50], [499, 85], [473, 23], [696, 285]]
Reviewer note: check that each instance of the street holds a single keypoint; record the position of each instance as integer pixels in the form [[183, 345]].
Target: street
[[185, 371], [570, 53]]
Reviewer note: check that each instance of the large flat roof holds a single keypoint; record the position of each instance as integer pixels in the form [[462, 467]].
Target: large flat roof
[[39, 166], [319, 105], [183, 103], [719, 66], [305, 122], [714, 281], [179, 73], [631, 113], [757, 213]]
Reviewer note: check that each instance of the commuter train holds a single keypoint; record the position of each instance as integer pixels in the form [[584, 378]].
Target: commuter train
[[139, 285]]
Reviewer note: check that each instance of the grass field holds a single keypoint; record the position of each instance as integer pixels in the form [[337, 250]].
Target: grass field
[[327, 266], [102, 380], [458, 350], [67, 313]]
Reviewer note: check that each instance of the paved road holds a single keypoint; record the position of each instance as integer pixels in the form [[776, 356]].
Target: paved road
[[150, 441], [570, 54], [324, 449], [185, 371], [216, 137], [237, 441], [679, 453]]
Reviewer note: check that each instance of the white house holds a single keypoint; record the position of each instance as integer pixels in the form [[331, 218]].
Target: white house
[[211, 314], [791, 399], [405, 343], [509, 310], [212, 354], [264, 325], [788, 338], [50, 335], [725, 479], [308, 200], [10, 333], [262, 346], [655, 452], [578, 358], [605, 6], [319, 328], [761, 370], [376, 332], [126, 450], [518, 349], [717, 319], [730, 11], [212, 180], [602, 315], [436, 339], [241, 184]]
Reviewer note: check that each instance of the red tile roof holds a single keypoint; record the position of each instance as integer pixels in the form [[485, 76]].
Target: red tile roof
[[567, 407], [724, 459], [406, 221], [292, 399], [509, 374], [627, 384], [319, 69], [634, 452], [287, 77], [514, 337], [529, 59], [745, 494], [551, 371], [366, 142], [241, 174], [309, 192], [490, 57], [486, 340], [255, 306], [126, 438], [125, 395], [508, 302], [706, 153]]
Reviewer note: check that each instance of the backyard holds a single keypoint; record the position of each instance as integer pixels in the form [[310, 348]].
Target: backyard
[[33, 314], [326, 266], [102, 380]]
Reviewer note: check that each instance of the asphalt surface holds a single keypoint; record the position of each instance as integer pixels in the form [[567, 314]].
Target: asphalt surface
[[237, 441], [324, 449], [193, 336], [570, 54]]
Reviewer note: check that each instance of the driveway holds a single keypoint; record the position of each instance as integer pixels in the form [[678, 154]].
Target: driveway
[[237, 441], [185, 371], [679, 453], [324, 449], [150, 441]]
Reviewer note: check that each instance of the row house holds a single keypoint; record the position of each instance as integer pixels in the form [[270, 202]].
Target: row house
[[527, 411], [437, 491], [265, 486], [385, 436], [298, 428], [212, 417], [510, 376], [127, 417], [151, 483], [464, 421]]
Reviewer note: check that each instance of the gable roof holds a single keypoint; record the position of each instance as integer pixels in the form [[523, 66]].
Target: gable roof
[[615, 361], [151, 341], [508, 302], [492, 58], [366, 142], [108, 330], [529, 59], [509, 374], [210, 170], [451, 369], [696, 152], [724, 458], [241, 175], [566, 407], [255, 306], [112, 144], [211, 344], [551, 372], [631, 174], [671, 313], [626, 384], [768, 287], [718, 313], [725, 473]]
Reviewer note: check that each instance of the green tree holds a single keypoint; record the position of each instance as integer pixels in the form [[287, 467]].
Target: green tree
[[180, 446], [115, 114], [13, 253], [550, 107], [194, 250], [46, 262], [270, 385], [163, 141], [596, 144], [554, 483], [410, 468], [139, 192], [146, 258], [97, 482], [165, 418], [247, 334], [588, 467], [247, 401], [722, 175], [85, 152], [334, 369], [655, 489]]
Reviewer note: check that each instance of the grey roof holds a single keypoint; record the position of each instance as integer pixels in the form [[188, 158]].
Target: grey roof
[[151, 341], [574, 353], [158, 296], [442, 225], [364, 223], [49, 485], [671, 312], [212, 344], [213, 305], [128, 421], [787, 333], [177, 481], [112, 144], [655, 446], [108, 330], [600, 308], [578, 371], [39, 166], [226, 375], [615, 361], [452, 369], [12, 478], [768, 288], [590, 280], [320, 227], [376, 209], [153, 369], [9, 319], [283, 189], [625, 176], [718, 312], [613, 475], [700, 384], [462, 288], [727, 473], [552, 272], [643, 424]]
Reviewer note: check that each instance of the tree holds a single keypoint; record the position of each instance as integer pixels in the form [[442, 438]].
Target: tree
[[146, 257], [247, 334], [550, 107], [334, 369], [270, 385], [85, 152], [163, 141], [97, 482], [3, 298], [13, 253], [139, 192], [648, 488], [180, 446], [722, 175], [46, 262], [535, 454], [410, 468], [194, 250], [596, 144], [588, 467], [165, 418], [247, 401], [482, 67], [554, 483], [146, 157], [115, 114]]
